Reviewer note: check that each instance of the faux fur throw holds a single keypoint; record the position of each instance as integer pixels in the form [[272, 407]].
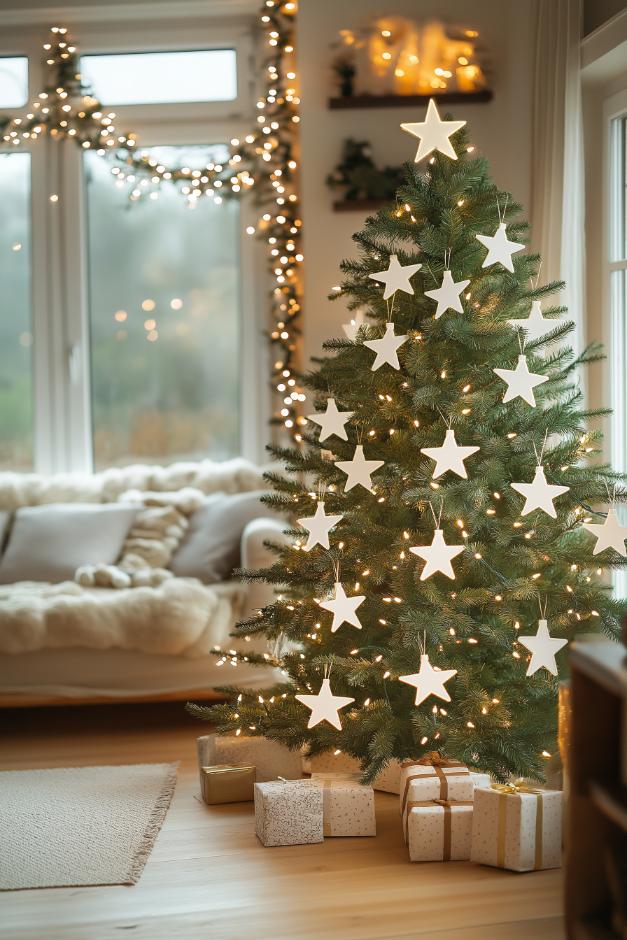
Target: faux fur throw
[[157, 531], [181, 617]]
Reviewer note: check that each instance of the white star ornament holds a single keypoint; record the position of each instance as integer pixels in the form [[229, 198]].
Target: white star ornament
[[331, 421], [450, 456], [438, 556], [521, 382], [396, 277], [543, 648], [325, 706], [386, 348], [429, 681], [500, 249], [358, 470], [433, 133], [318, 526], [448, 295], [535, 325], [539, 494], [609, 535], [343, 608]]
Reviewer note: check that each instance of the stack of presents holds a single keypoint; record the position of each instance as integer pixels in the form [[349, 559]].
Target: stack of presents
[[448, 812]]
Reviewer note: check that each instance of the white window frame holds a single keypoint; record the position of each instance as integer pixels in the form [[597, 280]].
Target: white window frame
[[59, 287]]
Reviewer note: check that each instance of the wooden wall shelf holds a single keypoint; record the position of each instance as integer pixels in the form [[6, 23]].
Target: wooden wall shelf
[[359, 205], [404, 101]]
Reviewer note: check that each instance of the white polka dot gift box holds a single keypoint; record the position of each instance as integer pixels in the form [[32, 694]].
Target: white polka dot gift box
[[348, 805], [288, 812], [438, 830]]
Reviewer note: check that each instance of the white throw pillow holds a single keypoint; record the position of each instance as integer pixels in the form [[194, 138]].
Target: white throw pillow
[[48, 543]]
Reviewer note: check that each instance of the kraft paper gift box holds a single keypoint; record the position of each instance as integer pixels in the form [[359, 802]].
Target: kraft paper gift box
[[224, 784], [433, 777], [348, 805], [517, 827], [270, 758], [438, 830], [387, 780], [288, 812]]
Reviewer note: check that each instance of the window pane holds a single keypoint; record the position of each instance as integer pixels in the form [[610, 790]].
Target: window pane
[[165, 321], [16, 398], [162, 77], [13, 81]]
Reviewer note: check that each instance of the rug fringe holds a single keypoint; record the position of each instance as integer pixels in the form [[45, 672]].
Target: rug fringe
[[154, 824]]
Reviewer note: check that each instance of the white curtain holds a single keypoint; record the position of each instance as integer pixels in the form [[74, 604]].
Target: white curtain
[[557, 173]]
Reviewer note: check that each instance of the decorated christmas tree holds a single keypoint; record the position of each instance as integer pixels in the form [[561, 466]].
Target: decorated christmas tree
[[449, 525]]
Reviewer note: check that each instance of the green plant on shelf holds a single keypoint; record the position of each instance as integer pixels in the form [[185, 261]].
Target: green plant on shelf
[[357, 177]]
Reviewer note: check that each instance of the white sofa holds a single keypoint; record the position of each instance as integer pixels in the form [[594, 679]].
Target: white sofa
[[104, 668]]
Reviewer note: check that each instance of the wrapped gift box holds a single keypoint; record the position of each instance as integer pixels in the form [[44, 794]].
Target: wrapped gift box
[[434, 778], [517, 827], [348, 805], [224, 784], [388, 780], [438, 830], [288, 812], [270, 758]]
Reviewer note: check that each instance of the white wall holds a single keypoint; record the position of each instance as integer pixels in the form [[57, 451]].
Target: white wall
[[500, 129]]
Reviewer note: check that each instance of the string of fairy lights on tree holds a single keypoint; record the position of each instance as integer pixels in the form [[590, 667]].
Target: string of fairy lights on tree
[[264, 160]]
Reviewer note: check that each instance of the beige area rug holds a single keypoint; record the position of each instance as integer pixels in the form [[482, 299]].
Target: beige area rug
[[80, 825]]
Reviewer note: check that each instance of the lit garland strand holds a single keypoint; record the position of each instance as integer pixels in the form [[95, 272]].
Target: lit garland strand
[[265, 159]]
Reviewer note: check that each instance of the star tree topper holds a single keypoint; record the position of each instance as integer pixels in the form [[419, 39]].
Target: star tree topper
[[386, 348], [429, 681], [500, 249], [434, 133], [543, 648], [535, 325], [448, 295], [331, 421], [396, 277], [539, 494], [358, 470], [343, 608], [611, 534], [450, 456], [318, 526], [325, 706], [521, 382], [438, 556]]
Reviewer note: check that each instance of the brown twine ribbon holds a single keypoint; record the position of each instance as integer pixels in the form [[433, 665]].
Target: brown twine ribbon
[[447, 806], [514, 789], [435, 760]]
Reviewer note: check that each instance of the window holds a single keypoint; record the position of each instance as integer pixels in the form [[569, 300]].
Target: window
[[13, 81]]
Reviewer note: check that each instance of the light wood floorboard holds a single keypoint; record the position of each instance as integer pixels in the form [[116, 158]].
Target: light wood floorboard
[[208, 876]]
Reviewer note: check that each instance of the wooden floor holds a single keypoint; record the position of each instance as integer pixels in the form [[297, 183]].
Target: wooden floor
[[209, 878]]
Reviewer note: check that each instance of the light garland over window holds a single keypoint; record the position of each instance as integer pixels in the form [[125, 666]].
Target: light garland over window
[[265, 160]]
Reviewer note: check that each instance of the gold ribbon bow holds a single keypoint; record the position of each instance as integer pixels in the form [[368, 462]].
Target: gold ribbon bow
[[432, 759], [512, 789]]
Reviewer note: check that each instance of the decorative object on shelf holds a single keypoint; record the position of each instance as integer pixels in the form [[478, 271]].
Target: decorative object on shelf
[[344, 70], [288, 812], [270, 759], [517, 827], [438, 830], [265, 161], [225, 784], [348, 805], [358, 178]]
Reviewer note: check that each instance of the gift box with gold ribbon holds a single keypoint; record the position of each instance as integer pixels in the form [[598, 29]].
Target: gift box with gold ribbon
[[224, 784], [518, 827], [348, 805], [438, 830], [271, 759], [434, 777]]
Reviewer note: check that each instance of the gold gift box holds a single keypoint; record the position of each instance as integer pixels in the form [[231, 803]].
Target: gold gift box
[[223, 783]]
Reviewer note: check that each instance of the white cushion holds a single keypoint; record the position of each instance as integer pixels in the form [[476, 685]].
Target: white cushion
[[48, 543]]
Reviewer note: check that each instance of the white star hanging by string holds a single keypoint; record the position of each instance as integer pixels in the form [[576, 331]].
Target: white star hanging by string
[[448, 295], [343, 608], [543, 648], [358, 470], [429, 681], [433, 133], [521, 382], [450, 456], [386, 348], [325, 706], [539, 494], [331, 421], [535, 325], [611, 534], [500, 249], [438, 556], [396, 277], [318, 526]]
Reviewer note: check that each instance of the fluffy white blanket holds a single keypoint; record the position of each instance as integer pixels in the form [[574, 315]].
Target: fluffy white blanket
[[180, 617]]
